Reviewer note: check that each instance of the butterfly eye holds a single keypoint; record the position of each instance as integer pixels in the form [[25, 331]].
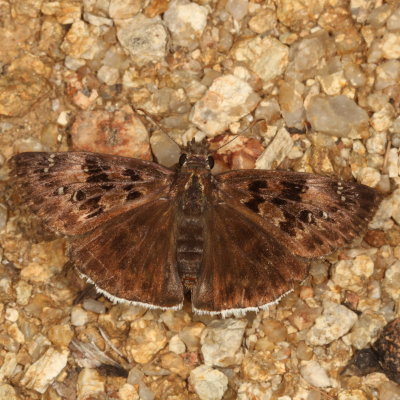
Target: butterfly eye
[[182, 159], [211, 162]]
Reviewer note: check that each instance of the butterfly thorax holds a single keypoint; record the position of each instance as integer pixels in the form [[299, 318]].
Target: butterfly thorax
[[194, 188]]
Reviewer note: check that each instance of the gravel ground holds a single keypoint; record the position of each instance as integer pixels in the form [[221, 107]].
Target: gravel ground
[[321, 79]]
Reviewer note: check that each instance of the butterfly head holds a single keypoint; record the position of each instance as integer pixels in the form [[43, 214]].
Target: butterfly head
[[196, 156]]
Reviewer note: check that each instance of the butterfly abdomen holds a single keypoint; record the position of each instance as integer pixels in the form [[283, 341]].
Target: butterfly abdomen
[[189, 249], [190, 229]]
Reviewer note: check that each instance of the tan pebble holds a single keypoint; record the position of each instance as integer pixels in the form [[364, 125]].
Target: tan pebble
[[145, 340], [60, 335], [90, 384], [174, 363]]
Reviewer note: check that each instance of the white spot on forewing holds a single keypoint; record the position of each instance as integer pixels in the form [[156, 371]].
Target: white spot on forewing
[[74, 196], [324, 215], [118, 300], [60, 190]]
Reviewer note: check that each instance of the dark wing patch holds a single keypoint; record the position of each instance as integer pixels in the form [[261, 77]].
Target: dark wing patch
[[75, 192], [132, 256], [243, 265], [311, 214]]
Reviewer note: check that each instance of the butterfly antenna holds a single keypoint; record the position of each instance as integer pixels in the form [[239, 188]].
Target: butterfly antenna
[[144, 113], [251, 126]]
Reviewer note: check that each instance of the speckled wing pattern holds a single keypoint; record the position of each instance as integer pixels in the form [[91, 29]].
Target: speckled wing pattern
[[259, 226], [74, 192], [264, 225], [119, 222]]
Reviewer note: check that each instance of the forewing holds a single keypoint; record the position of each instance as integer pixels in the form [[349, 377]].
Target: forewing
[[74, 192], [244, 267], [311, 215], [132, 257]]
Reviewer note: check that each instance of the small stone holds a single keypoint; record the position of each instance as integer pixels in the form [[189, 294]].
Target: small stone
[[276, 151], [308, 54], [291, 103], [369, 176], [175, 320], [176, 345], [390, 45], [304, 352], [90, 385], [120, 133], [355, 394], [393, 22], [274, 330], [93, 305], [264, 20], [208, 383], [221, 342], [156, 7], [382, 120], [314, 374], [60, 335], [389, 208], [351, 274], [293, 13], [19, 91], [267, 57], [237, 8], [146, 339], [255, 390], [144, 38], [336, 320], [227, 100], [7, 392], [165, 150], [3, 216], [108, 75], [42, 373], [97, 20], [337, 116], [391, 282], [128, 392], [387, 74], [366, 329], [124, 8], [66, 12], [79, 317], [389, 391], [9, 366], [23, 290], [190, 335], [393, 163], [355, 75], [145, 393], [303, 317], [186, 21], [81, 41], [257, 367], [175, 363], [11, 314]]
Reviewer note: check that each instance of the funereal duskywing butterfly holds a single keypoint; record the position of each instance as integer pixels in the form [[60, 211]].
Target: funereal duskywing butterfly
[[146, 234]]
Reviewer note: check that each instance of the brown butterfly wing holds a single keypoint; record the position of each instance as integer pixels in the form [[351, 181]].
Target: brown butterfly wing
[[132, 257], [244, 266], [75, 192], [311, 215]]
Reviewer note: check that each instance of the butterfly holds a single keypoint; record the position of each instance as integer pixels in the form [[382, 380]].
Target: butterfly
[[144, 234]]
